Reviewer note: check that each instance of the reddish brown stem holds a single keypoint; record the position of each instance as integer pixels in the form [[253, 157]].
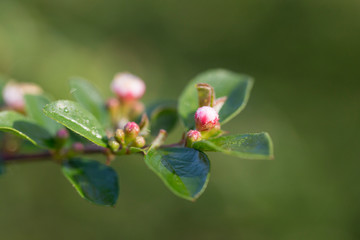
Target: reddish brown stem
[[44, 156], [48, 155]]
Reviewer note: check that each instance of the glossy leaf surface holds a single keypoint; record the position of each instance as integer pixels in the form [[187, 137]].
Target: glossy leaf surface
[[93, 180], [250, 146], [89, 97], [18, 124], [185, 171], [34, 105], [78, 119], [162, 115]]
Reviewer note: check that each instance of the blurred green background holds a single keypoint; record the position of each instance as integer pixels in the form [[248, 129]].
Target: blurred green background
[[305, 58]]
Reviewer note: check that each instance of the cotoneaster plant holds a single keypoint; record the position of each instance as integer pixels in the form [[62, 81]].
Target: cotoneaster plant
[[66, 131]]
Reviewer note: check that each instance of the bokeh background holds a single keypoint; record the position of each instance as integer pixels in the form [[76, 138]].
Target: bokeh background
[[304, 55]]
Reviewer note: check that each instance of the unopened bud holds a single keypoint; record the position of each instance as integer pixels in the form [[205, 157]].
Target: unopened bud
[[13, 94], [120, 136], [62, 134], [78, 147], [114, 145], [139, 142], [112, 103], [206, 118], [131, 130], [128, 87], [192, 136], [61, 137], [136, 109]]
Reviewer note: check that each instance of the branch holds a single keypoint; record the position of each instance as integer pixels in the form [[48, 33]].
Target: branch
[[26, 157], [47, 155]]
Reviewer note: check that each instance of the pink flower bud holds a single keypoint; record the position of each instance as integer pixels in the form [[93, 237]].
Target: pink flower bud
[[62, 134], [128, 87], [78, 147], [131, 130], [136, 109], [61, 137], [192, 136], [206, 118], [13, 94]]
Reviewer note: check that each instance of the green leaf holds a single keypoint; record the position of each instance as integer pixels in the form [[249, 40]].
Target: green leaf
[[137, 150], [250, 146], [163, 118], [88, 96], [163, 115], [185, 171], [78, 119], [93, 180], [18, 124], [34, 105], [236, 87]]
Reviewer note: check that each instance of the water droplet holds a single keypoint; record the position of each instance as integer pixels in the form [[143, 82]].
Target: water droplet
[[66, 110]]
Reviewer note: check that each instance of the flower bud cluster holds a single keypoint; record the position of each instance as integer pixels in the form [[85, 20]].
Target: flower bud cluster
[[13, 94], [206, 123], [128, 89], [127, 137]]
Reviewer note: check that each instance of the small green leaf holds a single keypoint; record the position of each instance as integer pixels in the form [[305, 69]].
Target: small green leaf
[[164, 118], [18, 124], [93, 180], [250, 146], [137, 150], [236, 87], [89, 97], [34, 105], [163, 115], [73, 116], [185, 171]]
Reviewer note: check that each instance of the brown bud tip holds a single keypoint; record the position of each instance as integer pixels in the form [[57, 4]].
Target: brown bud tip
[[160, 139], [139, 142], [206, 94]]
